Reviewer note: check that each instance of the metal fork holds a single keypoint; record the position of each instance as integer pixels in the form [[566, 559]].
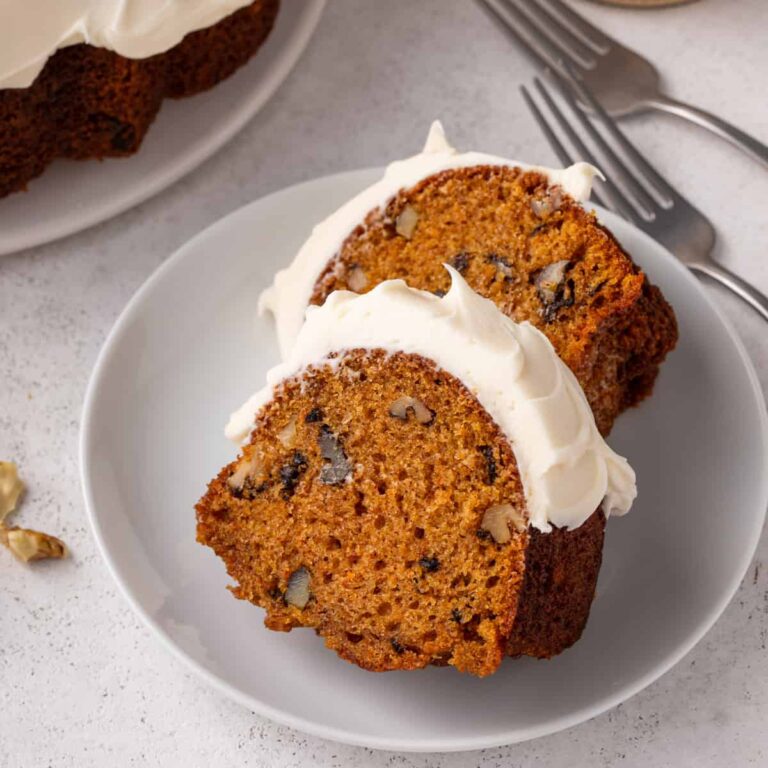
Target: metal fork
[[639, 193], [625, 82]]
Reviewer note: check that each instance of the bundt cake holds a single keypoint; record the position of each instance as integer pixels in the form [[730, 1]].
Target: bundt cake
[[422, 482], [520, 237], [85, 79]]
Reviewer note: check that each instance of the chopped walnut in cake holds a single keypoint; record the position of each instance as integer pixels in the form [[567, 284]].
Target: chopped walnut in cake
[[287, 435], [460, 262], [357, 280], [405, 223], [250, 477], [337, 467], [405, 406], [548, 204], [498, 518], [554, 289], [490, 464], [298, 591], [291, 472]]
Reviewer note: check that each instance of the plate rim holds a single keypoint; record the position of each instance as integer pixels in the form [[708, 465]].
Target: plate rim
[[384, 743], [285, 61]]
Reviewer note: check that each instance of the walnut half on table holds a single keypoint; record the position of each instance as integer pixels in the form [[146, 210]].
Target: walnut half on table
[[26, 544], [29, 545], [11, 489]]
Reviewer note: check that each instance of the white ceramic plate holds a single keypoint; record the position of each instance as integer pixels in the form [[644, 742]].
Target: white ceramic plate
[[71, 196], [188, 349]]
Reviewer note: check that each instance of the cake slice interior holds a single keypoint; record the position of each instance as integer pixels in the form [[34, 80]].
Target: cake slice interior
[[357, 509]]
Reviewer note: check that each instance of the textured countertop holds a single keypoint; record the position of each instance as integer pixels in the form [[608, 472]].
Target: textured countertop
[[82, 682]]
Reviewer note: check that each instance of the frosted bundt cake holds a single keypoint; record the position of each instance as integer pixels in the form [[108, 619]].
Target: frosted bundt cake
[[519, 236], [422, 482], [85, 78]]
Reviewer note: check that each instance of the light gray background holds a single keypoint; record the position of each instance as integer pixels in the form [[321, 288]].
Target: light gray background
[[82, 682]]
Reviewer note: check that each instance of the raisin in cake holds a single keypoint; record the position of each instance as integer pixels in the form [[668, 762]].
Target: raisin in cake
[[519, 236], [61, 96], [421, 482]]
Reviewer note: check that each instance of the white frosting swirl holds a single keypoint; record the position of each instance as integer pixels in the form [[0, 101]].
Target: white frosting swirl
[[33, 30], [292, 289], [566, 467]]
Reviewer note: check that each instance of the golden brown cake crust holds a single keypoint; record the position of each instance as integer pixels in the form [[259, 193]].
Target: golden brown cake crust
[[402, 572], [560, 579], [91, 103], [538, 255]]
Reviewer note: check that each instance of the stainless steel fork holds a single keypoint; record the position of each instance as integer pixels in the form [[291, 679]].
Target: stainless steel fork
[[558, 38], [639, 193]]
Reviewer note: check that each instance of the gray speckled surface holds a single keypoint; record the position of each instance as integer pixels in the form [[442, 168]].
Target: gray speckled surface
[[82, 682]]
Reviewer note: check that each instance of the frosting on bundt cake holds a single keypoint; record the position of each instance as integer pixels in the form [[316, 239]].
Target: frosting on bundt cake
[[84, 79], [33, 31], [567, 469]]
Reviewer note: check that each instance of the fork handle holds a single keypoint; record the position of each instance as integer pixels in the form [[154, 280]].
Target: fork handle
[[741, 288], [746, 143]]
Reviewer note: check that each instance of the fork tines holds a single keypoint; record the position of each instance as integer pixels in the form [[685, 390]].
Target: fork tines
[[551, 34], [565, 46], [637, 195]]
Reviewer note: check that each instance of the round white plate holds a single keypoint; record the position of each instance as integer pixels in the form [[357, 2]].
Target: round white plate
[[188, 349], [71, 196]]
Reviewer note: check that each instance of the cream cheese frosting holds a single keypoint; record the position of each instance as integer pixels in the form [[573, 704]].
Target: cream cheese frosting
[[33, 30], [292, 288], [566, 467]]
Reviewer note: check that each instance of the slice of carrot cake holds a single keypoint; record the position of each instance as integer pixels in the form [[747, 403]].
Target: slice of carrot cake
[[520, 236], [421, 482]]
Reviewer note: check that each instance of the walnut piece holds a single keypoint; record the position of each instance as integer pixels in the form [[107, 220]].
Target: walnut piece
[[291, 472], [550, 279], [502, 265], [11, 488], [357, 280], [406, 222], [287, 435], [497, 519], [24, 543], [555, 291], [460, 262], [337, 467], [32, 545], [404, 406], [247, 468], [298, 593], [490, 464], [543, 207]]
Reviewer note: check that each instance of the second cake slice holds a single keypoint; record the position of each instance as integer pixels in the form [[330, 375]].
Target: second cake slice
[[520, 236]]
